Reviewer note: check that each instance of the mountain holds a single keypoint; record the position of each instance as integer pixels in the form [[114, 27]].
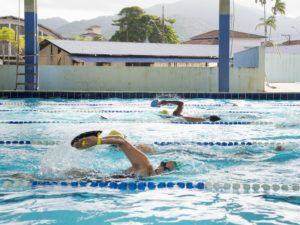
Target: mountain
[[78, 27], [194, 17], [53, 23]]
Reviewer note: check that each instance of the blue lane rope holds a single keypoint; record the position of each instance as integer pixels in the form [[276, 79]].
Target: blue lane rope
[[98, 104], [227, 123], [142, 186], [219, 143], [31, 142], [169, 122], [79, 110], [128, 111], [55, 104], [162, 143]]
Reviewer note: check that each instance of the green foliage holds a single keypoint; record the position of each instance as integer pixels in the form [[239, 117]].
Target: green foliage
[[80, 38], [279, 7], [21, 44], [270, 22], [136, 26], [46, 38], [7, 34], [98, 38]]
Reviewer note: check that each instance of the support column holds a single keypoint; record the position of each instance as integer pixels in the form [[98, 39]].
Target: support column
[[224, 42], [31, 45]]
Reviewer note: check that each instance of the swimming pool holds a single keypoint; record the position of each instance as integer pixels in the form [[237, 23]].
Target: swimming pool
[[232, 171]]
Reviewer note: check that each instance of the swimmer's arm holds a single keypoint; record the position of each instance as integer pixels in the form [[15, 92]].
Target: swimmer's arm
[[145, 148], [178, 110], [138, 159], [194, 119]]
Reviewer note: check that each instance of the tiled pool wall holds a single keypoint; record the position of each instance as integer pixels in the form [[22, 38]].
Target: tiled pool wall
[[128, 95]]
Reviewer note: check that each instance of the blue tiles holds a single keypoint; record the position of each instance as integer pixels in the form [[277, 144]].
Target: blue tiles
[[129, 95]]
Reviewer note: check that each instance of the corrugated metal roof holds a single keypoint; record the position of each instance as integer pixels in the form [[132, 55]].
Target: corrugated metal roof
[[141, 59], [137, 49]]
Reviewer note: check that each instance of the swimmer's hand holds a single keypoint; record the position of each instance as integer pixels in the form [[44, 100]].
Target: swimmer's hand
[[86, 142]]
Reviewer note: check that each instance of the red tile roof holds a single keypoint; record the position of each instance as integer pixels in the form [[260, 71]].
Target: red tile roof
[[212, 41], [295, 42], [233, 34]]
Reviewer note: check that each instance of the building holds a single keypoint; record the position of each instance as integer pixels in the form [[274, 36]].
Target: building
[[238, 39], [12, 22], [92, 32], [103, 53], [291, 42]]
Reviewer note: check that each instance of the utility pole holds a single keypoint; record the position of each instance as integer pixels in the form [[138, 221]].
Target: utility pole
[[289, 37], [163, 24]]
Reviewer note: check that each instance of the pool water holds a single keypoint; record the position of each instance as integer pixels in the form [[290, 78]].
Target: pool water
[[241, 170]]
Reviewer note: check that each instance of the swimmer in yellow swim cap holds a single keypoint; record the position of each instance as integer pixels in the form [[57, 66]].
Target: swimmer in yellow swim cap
[[141, 166]]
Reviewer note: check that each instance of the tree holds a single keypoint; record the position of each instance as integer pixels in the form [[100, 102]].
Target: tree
[[263, 3], [270, 22], [136, 26], [21, 45], [79, 38], [279, 7], [98, 38], [7, 36], [46, 38]]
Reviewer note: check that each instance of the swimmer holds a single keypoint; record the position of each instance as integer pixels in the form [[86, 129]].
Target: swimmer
[[141, 166], [178, 110]]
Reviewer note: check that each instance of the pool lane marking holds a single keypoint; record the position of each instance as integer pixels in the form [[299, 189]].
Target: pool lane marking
[[161, 143], [129, 111], [101, 104], [220, 143], [31, 142], [168, 122], [142, 186]]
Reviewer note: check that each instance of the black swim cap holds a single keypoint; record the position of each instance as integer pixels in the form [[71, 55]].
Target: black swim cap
[[95, 133], [214, 118]]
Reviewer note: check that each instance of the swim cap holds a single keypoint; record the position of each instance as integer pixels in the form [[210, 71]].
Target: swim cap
[[95, 133], [165, 112], [116, 133], [178, 165], [154, 103], [214, 118]]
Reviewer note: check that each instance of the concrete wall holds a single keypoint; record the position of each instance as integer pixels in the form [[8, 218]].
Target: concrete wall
[[247, 42], [136, 79], [283, 68]]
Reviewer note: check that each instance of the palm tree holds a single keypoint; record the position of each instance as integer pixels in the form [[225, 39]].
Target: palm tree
[[279, 7], [263, 3], [270, 22]]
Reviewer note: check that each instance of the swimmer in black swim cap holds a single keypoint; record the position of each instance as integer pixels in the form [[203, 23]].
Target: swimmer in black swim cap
[[178, 110]]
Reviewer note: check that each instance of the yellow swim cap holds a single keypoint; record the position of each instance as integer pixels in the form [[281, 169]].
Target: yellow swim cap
[[165, 112], [115, 133]]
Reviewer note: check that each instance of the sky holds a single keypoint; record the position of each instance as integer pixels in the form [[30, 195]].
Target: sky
[[73, 10]]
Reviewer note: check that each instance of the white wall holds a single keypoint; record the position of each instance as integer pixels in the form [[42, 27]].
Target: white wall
[[137, 79], [247, 42], [283, 68]]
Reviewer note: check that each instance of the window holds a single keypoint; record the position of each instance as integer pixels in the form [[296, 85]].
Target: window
[[138, 64]]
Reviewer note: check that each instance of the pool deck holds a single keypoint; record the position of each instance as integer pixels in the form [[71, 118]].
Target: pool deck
[[282, 87]]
